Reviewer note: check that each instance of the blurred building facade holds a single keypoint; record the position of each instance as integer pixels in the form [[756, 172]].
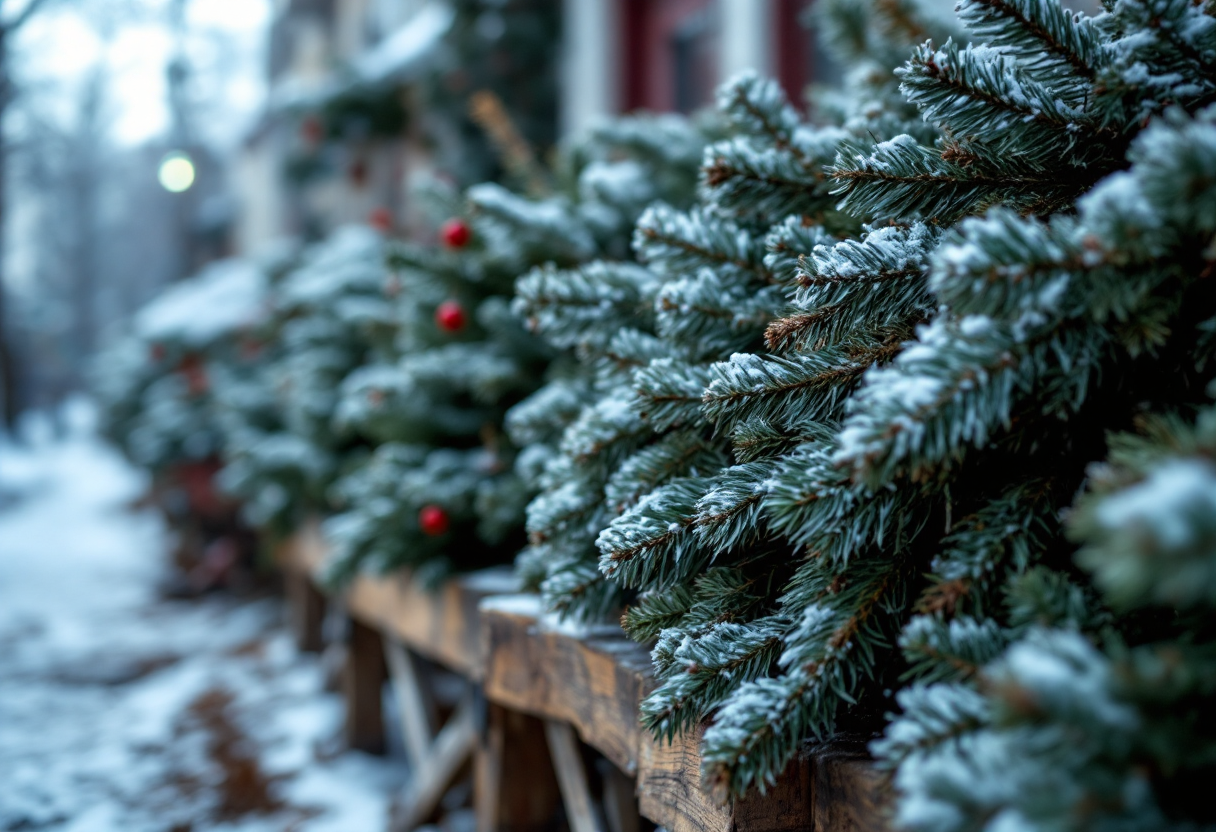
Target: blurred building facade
[[346, 132], [670, 55], [289, 179]]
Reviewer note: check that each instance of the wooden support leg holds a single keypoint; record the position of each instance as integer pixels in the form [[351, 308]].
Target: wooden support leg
[[414, 701], [620, 799], [572, 778], [362, 681], [305, 611], [514, 787], [335, 633], [438, 765]]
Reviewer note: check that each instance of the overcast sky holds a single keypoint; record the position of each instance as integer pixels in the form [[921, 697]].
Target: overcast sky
[[225, 47]]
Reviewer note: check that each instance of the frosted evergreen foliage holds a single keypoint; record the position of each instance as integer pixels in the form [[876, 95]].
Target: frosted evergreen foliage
[[664, 475], [433, 404], [163, 385], [978, 283], [327, 316]]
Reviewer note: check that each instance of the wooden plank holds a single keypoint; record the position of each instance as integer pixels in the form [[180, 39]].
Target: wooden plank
[[362, 682], [670, 793], [440, 624], [514, 786], [428, 781], [596, 684], [593, 683], [851, 795], [572, 778], [305, 550]]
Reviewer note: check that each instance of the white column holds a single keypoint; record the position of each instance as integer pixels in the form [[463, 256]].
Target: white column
[[592, 63], [747, 36]]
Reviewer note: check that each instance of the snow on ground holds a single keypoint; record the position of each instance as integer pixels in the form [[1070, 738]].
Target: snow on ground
[[123, 711]]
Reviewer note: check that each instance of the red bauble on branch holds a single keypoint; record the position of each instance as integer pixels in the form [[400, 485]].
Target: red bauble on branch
[[381, 219], [194, 371], [433, 520], [450, 316], [312, 130], [455, 233], [157, 352]]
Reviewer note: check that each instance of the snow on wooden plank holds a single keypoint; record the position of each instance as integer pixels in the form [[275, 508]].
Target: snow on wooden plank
[[440, 624], [593, 684]]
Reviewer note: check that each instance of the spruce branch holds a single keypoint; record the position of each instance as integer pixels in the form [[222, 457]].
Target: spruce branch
[[655, 611], [986, 98], [758, 439], [729, 513], [678, 454], [830, 652], [901, 178], [1043, 36], [710, 319], [787, 390], [1004, 535], [933, 715], [667, 393], [675, 243], [652, 544], [941, 650], [702, 666], [585, 306], [1148, 521]]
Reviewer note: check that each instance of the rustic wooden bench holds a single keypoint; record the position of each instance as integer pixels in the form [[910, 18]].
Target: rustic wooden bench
[[543, 699]]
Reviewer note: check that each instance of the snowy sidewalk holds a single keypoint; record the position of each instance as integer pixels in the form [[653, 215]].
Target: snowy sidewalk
[[121, 711]]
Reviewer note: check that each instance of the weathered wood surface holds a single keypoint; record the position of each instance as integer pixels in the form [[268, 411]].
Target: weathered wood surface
[[305, 611], [362, 681], [441, 625], [515, 785], [851, 795], [592, 682], [595, 683], [581, 811], [447, 753]]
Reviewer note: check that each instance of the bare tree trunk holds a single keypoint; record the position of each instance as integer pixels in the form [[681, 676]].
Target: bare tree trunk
[[85, 177], [10, 392], [10, 404]]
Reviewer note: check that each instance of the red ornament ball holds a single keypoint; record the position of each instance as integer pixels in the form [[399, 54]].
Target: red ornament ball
[[450, 317], [157, 352], [433, 520], [381, 219], [312, 130], [455, 233]]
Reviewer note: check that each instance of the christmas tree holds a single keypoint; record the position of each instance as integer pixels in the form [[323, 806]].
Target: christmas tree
[[643, 449], [964, 308], [504, 49], [441, 489], [328, 316], [1068, 689], [156, 383]]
